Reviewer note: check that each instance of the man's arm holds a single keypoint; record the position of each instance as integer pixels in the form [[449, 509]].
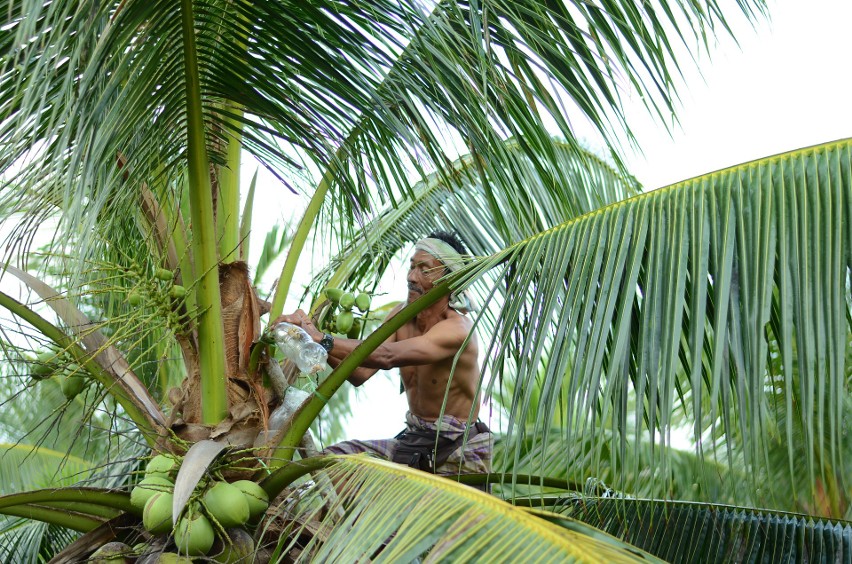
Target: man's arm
[[439, 343], [335, 356]]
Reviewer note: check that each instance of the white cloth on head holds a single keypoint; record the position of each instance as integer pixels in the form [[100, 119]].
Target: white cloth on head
[[444, 252]]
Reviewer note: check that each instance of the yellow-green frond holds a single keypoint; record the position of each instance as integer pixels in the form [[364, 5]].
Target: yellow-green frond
[[390, 513]]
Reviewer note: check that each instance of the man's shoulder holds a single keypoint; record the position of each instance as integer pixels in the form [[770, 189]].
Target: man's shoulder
[[454, 322]]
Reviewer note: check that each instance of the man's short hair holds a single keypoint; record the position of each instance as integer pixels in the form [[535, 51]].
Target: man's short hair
[[451, 239]]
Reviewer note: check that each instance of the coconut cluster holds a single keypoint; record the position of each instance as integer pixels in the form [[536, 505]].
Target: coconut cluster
[[53, 362], [161, 292], [339, 317], [217, 510]]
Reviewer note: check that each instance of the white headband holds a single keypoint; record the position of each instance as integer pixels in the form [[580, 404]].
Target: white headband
[[451, 258]]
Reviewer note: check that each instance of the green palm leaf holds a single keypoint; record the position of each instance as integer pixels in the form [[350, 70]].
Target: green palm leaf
[[685, 305], [103, 79], [392, 513], [689, 476], [25, 466], [576, 182], [695, 532], [671, 301], [137, 399]]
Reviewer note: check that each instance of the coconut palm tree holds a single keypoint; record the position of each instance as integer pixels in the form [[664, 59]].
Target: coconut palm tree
[[720, 305]]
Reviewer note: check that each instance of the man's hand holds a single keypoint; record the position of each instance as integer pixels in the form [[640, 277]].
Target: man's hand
[[300, 319]]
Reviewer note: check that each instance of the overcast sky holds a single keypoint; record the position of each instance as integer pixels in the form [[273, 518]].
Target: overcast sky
[[786, 86]]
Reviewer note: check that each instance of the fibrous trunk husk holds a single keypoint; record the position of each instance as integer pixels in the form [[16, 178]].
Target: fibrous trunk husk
[[248, 400]]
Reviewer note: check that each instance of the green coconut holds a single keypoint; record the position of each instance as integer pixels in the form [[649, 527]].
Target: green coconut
[[157, 515], [111, 553], [139, 548], [164, 274], [45, 364], [194, 534], [134, 299], [227, 504], [347, 300], [333, 294], [146, 489], [73, 384], [161, 465], [362, 301], [344, 321], [257, 498], [236, 548], [354, 331]]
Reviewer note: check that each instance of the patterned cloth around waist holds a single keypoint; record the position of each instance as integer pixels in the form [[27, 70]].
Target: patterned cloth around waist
[[473, 457]]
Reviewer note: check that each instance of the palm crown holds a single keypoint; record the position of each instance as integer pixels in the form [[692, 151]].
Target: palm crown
[[719, 305]]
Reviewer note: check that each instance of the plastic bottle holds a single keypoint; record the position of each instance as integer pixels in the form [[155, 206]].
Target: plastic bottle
[[299, 348], [293, 398], [312, 358]]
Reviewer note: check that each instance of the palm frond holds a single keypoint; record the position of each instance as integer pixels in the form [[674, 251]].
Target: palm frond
[[26, 465], [85, 82], [57, 443], [31, 542], [388, 512], [725, 298], [689, 477], [577, 182], [123, 384], [697, 532], [274, 245]]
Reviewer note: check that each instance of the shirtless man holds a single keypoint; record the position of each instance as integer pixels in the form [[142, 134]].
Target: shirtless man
[[424, 349]]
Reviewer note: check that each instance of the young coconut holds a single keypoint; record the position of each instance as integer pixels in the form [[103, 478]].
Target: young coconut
[[333, 294], [235, 548], [164, 274], [362, 301], [73, 384], [161, 465], [157, 515], [355, 331], [347, 300], [134, 299], [227, 505], [140, 548], [344, 321], [146, 489], [45, 365], [177, 292], [194, 534], [111, 553], [257, 498]]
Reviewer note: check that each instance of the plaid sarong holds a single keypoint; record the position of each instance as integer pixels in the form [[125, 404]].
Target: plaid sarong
[[472, 457]]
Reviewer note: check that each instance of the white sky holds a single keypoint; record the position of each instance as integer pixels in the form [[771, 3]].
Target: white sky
[[786, 86]]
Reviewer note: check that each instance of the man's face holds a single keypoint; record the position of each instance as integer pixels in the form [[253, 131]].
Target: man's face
[[422, 274]]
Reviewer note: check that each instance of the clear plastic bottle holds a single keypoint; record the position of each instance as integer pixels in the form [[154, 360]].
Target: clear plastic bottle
[[312, 358], [299, 348], [293, 398]]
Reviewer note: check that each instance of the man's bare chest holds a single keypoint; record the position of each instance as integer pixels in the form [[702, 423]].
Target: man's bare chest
[[424, 376]]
